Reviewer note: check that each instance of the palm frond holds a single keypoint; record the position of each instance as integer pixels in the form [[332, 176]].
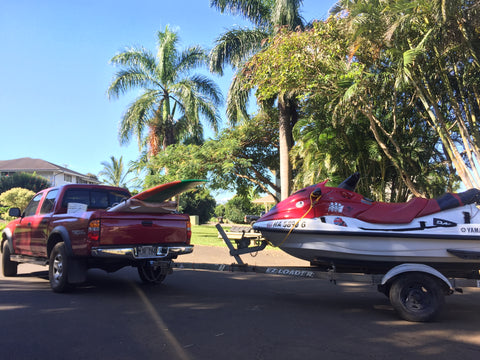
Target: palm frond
[[191, 58], [140, 59], [114, 172], [208, 87], [257, 11], [126, 80], [411, 55], [182, 128], [237, 99], [199, 94], [235, 46], [209, 112], [137, 116], [134, 57], [166, 55], [286, 13]]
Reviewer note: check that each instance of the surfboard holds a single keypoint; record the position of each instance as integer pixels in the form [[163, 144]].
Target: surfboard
[[154, 199], [166, 191]]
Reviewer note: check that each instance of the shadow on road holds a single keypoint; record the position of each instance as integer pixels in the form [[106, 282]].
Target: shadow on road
[[209, 315]]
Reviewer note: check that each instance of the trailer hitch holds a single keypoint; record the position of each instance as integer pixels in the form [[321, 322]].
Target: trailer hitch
[[243, 247]]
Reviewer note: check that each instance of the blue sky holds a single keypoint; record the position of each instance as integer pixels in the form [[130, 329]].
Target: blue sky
[[54, 70]]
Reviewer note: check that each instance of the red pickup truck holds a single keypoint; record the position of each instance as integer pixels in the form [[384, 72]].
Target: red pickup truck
[[76, 227]]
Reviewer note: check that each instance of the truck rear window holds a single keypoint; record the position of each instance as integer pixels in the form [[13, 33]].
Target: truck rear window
[[93, 198]]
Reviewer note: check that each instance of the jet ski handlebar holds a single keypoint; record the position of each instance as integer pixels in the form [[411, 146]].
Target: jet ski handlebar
[[351, 182]]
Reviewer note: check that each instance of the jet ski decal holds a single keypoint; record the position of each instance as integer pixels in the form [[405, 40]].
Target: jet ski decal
[[436, 224], [339, 221]]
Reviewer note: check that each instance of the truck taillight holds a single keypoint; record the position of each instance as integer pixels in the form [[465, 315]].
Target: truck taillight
[[189, 231], [94, 230]]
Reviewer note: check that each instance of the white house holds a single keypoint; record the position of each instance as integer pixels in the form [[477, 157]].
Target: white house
[[57, 175]]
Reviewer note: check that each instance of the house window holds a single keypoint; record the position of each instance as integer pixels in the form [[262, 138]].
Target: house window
[[67, 177]]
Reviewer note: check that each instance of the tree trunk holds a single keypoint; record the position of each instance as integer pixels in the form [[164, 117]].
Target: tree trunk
[[285, 144], [169, 137]]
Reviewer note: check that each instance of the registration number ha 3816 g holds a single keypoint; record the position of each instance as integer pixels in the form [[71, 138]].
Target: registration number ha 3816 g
[[146, 251]]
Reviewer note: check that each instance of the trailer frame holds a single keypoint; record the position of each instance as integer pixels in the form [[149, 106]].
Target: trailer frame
[[416, 291]]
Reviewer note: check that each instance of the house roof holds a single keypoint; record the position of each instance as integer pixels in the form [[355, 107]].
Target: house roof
[[28, 164]]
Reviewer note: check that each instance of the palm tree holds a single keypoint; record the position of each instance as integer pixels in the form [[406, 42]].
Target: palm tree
[[236, 46], [432, 49], [172, 100], [114, 172]]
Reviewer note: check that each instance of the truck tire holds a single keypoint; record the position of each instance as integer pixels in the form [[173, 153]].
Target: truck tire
[[151, 274], [58, 269], [9, 267], [417, 297]]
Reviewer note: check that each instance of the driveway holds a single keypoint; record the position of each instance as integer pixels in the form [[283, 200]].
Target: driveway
[[218, 315]]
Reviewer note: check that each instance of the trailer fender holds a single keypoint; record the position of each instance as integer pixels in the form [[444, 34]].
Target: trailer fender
[[404, 268]]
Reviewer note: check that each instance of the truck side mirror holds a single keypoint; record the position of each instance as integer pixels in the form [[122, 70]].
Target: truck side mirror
[[14, 212]]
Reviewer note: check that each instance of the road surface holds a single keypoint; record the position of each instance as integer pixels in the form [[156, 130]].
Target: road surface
[[214, 315]]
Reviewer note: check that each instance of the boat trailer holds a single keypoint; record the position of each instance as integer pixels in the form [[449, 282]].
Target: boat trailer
[[416, 291]]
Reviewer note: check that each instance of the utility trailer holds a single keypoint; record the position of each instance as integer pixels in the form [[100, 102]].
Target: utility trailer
[[416, 291]]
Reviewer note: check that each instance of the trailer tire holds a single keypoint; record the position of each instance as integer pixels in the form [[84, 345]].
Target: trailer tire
[[417, 297], [9, 267]]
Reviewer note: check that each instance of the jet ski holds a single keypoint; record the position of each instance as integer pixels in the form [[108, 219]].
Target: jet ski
[[337, 228]]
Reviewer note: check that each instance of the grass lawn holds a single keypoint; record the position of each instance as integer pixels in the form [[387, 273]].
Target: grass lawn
[[207, 235], [201, 235]]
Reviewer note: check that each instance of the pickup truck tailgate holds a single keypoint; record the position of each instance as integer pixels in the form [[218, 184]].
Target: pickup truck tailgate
[[143, 229]]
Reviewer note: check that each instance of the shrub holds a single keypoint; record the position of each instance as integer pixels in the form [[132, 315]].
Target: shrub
[[199, 203], [220, 210], [25, 181], [239, 206], [16, 197]]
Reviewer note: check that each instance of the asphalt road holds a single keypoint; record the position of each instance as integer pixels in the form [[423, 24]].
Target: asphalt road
[[213, 315]]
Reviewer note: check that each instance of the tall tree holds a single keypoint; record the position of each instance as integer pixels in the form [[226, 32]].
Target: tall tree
[[114, 172], [361, 65], [172, 100], [433, 48], [238, 160], [237, 45]]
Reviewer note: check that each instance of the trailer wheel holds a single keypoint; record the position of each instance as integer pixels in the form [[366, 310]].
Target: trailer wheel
[[151, 274], [417, 297], [9, 267]]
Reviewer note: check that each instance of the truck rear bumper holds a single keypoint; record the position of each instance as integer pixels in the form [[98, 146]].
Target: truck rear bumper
[[142, 251]]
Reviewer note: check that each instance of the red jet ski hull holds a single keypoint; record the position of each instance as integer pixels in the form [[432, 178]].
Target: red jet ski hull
[[336, 227]]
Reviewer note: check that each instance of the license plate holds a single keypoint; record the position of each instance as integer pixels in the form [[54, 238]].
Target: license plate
[[146, 251]]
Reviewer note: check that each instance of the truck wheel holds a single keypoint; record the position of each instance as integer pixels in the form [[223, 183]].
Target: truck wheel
[[151, 274], [417, 297], [9, 267], [58, 269]]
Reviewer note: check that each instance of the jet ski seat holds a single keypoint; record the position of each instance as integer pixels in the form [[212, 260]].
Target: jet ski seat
[[470, 196], [451, 201], [393, 213], [403, 213]]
